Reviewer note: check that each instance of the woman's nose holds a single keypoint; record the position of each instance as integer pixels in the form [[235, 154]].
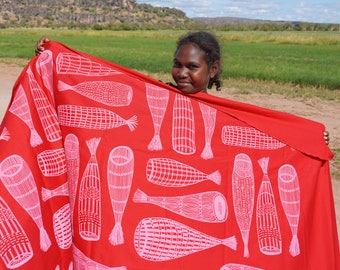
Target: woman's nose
[[182, 72]]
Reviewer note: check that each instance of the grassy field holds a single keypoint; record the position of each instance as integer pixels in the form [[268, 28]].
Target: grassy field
[[299, 58]]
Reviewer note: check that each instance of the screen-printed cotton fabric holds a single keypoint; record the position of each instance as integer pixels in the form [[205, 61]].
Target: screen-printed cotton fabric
[[104, 168]]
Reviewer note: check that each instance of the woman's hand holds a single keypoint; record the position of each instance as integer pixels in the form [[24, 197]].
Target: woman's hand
[[326, 137], [39, 46]]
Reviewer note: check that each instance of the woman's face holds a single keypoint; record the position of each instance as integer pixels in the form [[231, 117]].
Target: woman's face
[[190, 71]]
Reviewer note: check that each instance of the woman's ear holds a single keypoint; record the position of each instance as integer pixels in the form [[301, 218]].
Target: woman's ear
[[214, 69]]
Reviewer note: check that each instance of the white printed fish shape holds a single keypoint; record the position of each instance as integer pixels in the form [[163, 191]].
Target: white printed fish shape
[[20, 108], [209, 120], [5, 135], [267, 221], [15, 247], [71, 63], [44, 67], [72, 155], [119, 176], [209, 206], [289, 190], [243, 187], [236, 266], [171, 173], [46, 112], [249, 137], [161, 239], [105, 92], [92, 118], [18, 179], [89, 210], [157, 99]]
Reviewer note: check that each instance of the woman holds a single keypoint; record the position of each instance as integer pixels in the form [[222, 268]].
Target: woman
[[197, 63]]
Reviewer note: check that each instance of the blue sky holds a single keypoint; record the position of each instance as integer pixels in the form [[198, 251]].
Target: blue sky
[[318, 11]]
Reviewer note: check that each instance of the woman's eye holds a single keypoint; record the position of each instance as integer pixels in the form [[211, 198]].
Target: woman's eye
[[176, 64]]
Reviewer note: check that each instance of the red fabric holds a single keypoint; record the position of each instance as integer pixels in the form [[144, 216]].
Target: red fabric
[[154, 179]]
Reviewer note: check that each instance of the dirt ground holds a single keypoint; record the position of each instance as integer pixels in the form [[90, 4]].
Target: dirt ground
[[326, 112]]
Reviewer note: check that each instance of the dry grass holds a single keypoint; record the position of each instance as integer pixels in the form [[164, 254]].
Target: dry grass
[[246, 86], [283, 37], [19, 62], [286, 89]]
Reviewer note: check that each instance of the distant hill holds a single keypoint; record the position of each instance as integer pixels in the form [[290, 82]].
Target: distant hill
[[230, 20], [244, 24], [38, 13]]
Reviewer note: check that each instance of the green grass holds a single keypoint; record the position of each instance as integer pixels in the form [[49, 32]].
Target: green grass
[[299, 58], [306, 65]]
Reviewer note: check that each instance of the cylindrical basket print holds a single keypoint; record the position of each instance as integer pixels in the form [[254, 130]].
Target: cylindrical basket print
[[119, 176], [20, 108], [289, 189], [243, 187], [209, 206], [72, 63], [157, 99], [15, 247], [162, 239], [249, 137], [106, 92], [44, 67], [172, 173], [18, 179], [72, 156], [62, 227], [46, 111], [183, 126], [268, 227], [52, 162], [209, 120], [89, 211]]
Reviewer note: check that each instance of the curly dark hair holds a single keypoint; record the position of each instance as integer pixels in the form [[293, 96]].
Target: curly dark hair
[[208, 43]]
